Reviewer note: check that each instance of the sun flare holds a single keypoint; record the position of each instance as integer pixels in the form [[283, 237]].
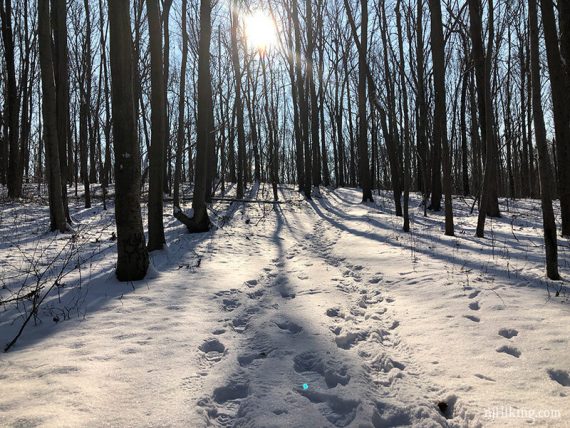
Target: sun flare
[[260, 31]]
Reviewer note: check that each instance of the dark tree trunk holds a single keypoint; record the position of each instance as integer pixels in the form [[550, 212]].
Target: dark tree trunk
[[57, 213], [544, 168], [61, 70], [489, 203], [239, 104], [156, 239], [363, 162], [560, 86], [200, 222], [440, 123], [132, 255], [14, 180], [181, 105]]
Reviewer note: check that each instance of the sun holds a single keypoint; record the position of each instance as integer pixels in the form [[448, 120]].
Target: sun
[[260, 31]]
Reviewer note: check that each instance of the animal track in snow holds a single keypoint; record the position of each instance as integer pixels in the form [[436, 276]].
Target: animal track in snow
[[510, 350], [508, 333]]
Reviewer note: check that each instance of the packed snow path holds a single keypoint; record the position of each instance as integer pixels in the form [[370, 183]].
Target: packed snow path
[[317, 314]]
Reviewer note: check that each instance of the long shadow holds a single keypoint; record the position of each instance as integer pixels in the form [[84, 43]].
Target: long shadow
[[99, 289], [287, 349], [328, 213]]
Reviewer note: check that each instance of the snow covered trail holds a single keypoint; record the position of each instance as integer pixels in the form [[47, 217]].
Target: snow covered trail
[[317, 314], [318, 347]]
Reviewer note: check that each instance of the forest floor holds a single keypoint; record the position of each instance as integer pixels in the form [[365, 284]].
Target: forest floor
[[320, 314]]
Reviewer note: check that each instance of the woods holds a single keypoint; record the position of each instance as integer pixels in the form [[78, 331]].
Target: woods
[[297, 213], [436, 98]]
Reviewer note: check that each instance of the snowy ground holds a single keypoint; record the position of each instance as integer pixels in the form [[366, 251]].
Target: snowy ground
[[316, 314]]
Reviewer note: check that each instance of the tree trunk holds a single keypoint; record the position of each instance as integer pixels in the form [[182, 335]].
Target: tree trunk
[[181, 104], [61, 71], [545, 169], [363, 162], [132, 254], [440, 123], [156, 239], [488, 203], [57, 213], [560, 86], [238, 101], [200, 222], [14, 181]]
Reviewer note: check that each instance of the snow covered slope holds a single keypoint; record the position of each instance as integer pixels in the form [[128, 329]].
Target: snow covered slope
[[320, 314]]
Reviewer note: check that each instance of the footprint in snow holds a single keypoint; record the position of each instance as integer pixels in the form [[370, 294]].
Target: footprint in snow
[[234, 390], [213, 349], [474, 294], [230, 305], [239, 324], [333, 372], [560, 376], [474, 306], [472, 318], [375, 280], [510, 350], [251, 283], [508, 333], [351, 339], [339, 411], [288, 326]]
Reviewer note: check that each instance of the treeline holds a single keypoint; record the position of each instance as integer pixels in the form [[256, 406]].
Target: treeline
[[438, 97]]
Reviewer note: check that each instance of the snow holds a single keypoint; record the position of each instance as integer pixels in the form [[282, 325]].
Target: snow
[[315, 313]]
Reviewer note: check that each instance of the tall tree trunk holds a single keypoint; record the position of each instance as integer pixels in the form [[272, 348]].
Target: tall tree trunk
[[85, 110], [407, 168], [156, 239], [238, 101], [489, 203], [181, 105], [61, 70], [423, 149], [57, 213], [560, 86], [363, 162], [440, 122], [544, 168], [200, 222], [132, 254], [166, 172], [14, 180]]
